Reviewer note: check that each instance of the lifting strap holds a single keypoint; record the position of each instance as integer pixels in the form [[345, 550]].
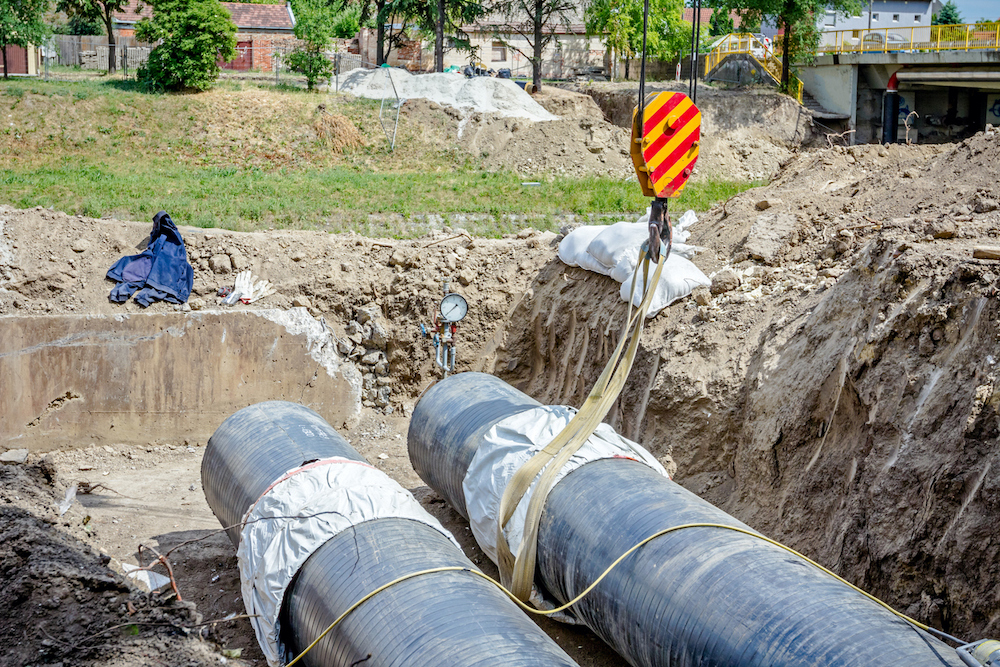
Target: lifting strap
[[518, 573]]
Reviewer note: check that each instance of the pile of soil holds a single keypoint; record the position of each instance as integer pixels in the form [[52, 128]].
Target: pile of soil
[[480, 94], [579, 143], [63, 605], [747, 135]]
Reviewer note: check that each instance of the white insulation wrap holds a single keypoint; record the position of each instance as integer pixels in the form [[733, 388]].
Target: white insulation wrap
[[326, 497], [508, 445]]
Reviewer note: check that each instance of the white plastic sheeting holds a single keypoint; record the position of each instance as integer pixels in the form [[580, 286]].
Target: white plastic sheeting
[[299, 513], [508, 445]]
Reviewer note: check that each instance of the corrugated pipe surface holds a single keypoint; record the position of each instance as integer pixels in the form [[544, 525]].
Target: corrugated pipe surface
[[697, 596], [445, 618]]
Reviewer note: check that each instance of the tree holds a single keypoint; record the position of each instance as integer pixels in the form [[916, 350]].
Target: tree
[[721, 22], [77, 25], [314, 28], [102, 11], [799, 20], [194, 35], [346, 22], [948, 15], [21, 23], [621, 23], [370, 10], [534, 20], [435, 17]]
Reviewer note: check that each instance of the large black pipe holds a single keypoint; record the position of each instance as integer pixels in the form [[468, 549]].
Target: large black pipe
[[445, 618], [694, 597]]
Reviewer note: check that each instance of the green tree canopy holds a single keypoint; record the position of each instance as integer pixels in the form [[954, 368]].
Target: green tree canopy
[[799, 20], [721, 22], [194, 35], [91, 11], [620, 21], [21, 23], [314, 28], [536, 21], [948, 15]]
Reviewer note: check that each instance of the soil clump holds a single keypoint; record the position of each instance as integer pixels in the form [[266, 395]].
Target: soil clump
[[64, 605]]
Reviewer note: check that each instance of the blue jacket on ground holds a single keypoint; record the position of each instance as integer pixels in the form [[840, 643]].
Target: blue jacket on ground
[[162, 270]]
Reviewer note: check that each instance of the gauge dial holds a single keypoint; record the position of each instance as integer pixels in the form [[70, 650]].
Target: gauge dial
[[454, 307]]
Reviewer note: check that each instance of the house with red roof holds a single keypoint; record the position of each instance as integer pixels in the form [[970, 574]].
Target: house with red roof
[[260, 30]]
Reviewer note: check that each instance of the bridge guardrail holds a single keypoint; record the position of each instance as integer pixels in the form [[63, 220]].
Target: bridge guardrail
[[749, 44], [962, 37]]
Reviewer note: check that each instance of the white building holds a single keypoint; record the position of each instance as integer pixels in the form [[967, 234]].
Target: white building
[[883, 14]]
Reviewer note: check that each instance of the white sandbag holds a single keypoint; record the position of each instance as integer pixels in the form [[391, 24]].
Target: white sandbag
[[609, 246], [626, 265], [679, 278], [573, 249], [685, 221]]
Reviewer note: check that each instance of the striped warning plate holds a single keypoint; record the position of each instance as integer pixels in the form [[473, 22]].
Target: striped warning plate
[[665, 155]]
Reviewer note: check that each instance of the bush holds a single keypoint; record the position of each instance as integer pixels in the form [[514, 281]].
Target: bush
[[194, 36], [314, 27], [312, 63]]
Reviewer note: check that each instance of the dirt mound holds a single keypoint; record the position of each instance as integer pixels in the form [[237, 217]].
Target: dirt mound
[[64, 606], [747, 135], [575, 146], [568, 104]]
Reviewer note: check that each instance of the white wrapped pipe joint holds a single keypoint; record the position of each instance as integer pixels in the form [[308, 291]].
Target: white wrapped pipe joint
[[317, 529]]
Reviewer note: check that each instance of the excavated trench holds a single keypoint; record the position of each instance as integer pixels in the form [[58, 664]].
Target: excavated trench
[[836, 390]]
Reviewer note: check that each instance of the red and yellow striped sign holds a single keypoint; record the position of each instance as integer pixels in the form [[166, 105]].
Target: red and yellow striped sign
[[665, 151]]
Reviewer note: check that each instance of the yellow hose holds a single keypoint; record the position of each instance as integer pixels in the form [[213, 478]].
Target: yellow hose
[[588, 589]]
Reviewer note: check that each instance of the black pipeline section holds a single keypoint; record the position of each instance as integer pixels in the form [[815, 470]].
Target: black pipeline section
[[697, 596], [444, 618]]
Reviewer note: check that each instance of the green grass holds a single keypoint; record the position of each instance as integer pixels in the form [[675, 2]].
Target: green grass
[[103, 147], [330, 198]]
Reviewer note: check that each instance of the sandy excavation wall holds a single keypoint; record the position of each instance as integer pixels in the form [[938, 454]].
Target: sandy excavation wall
[[836, 388], [144, 378]]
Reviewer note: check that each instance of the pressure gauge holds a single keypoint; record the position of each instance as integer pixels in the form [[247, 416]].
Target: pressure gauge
[[454, 307]]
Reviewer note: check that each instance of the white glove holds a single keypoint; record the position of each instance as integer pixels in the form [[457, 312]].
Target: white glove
[[244, 286], [261, 289]]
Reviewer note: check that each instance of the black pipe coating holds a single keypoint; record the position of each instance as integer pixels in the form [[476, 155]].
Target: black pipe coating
[[694, 597], [444, 618]]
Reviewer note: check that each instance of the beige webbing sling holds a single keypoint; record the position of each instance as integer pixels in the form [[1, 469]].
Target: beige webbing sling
[[517, 573]]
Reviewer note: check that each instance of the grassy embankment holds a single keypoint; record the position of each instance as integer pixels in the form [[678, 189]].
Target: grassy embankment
[[244, 157]]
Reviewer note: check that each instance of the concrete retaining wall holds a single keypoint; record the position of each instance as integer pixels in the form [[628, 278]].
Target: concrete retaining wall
[[68, 381]]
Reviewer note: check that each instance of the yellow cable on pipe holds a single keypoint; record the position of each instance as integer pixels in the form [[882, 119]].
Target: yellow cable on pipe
[[588, 589]]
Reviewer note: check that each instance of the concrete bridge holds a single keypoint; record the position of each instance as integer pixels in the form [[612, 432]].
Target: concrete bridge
[[871, 82]]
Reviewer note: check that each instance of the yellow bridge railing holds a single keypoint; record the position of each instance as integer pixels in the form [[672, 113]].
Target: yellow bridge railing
[[748, 44], [914, 39]]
